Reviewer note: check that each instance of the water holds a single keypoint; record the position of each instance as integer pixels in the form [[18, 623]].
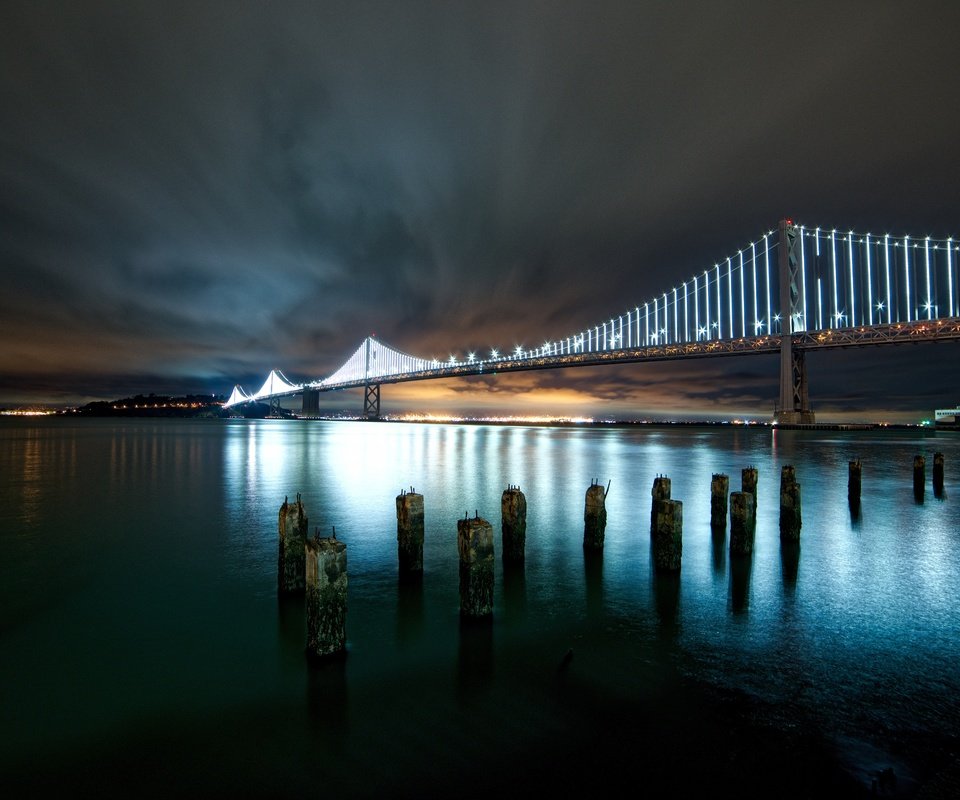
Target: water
[[143, 648]]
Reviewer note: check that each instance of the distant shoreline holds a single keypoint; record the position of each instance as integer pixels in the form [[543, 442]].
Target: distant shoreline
[[211, 407]]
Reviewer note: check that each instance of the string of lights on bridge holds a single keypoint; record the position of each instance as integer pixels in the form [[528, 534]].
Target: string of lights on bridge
[[845, 280]]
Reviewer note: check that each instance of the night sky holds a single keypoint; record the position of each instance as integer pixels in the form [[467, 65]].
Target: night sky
[[194, 193]]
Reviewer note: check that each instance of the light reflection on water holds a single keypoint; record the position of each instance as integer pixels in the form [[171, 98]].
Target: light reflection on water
[[153, 546]]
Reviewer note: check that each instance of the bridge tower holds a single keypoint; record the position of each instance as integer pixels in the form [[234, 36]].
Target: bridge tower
[[371, 391], [794, 406], [311, 403]]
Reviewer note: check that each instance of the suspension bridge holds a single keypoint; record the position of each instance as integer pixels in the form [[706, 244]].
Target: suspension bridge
[[791, 291]]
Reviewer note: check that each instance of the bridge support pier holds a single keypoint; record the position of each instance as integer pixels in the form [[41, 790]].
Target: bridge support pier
[[276, 410], [311, 403], [794, 406], [371, 401]]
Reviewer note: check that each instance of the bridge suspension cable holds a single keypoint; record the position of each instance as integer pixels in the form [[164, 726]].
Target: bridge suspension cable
[[839, 287], [372, 360]]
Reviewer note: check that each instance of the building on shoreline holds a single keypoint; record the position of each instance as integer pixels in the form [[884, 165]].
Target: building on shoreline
[[948, 418]]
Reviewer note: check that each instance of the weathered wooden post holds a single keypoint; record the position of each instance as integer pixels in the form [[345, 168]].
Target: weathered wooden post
[[595, 516], [790, 519], [854, 470], [938, 474], [743, 523], [513, 521], [326, 597], [292, 527], [410, 533], [719, 489], [475, 546], [748, 483], [919, 476], [668, 535], [660, 491]]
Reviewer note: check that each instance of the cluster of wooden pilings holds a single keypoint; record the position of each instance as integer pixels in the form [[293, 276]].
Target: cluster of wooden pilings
[[855, 472], [474, 546], [920, 476], [317, 567], [666, 515]]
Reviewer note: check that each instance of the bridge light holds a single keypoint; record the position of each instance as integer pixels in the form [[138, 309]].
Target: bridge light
[[471, 357], [518, 350], [494, 354]]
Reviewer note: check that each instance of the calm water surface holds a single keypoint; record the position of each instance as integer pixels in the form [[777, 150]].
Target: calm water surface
[[143, 647]]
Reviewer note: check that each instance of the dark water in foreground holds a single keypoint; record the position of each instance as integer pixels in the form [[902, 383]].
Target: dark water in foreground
[[143, 649]]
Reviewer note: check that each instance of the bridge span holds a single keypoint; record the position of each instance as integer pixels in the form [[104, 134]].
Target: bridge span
[[789, 292]]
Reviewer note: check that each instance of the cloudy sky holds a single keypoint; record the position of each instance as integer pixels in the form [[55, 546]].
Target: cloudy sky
[[194, 193]]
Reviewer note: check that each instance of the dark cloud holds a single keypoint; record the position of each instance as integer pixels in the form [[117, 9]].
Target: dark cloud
[[197, 192]]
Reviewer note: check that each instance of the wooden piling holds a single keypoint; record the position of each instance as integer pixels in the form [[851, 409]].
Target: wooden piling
[[660, 491], [410, 532], [790, 518], [292, 528], [919, 476], [748, 483], [594, 517], [326, 597], [938, 474], [513, 520], [475, 546], [854, 469], [743, 523], [719, 489], [668, 535]]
